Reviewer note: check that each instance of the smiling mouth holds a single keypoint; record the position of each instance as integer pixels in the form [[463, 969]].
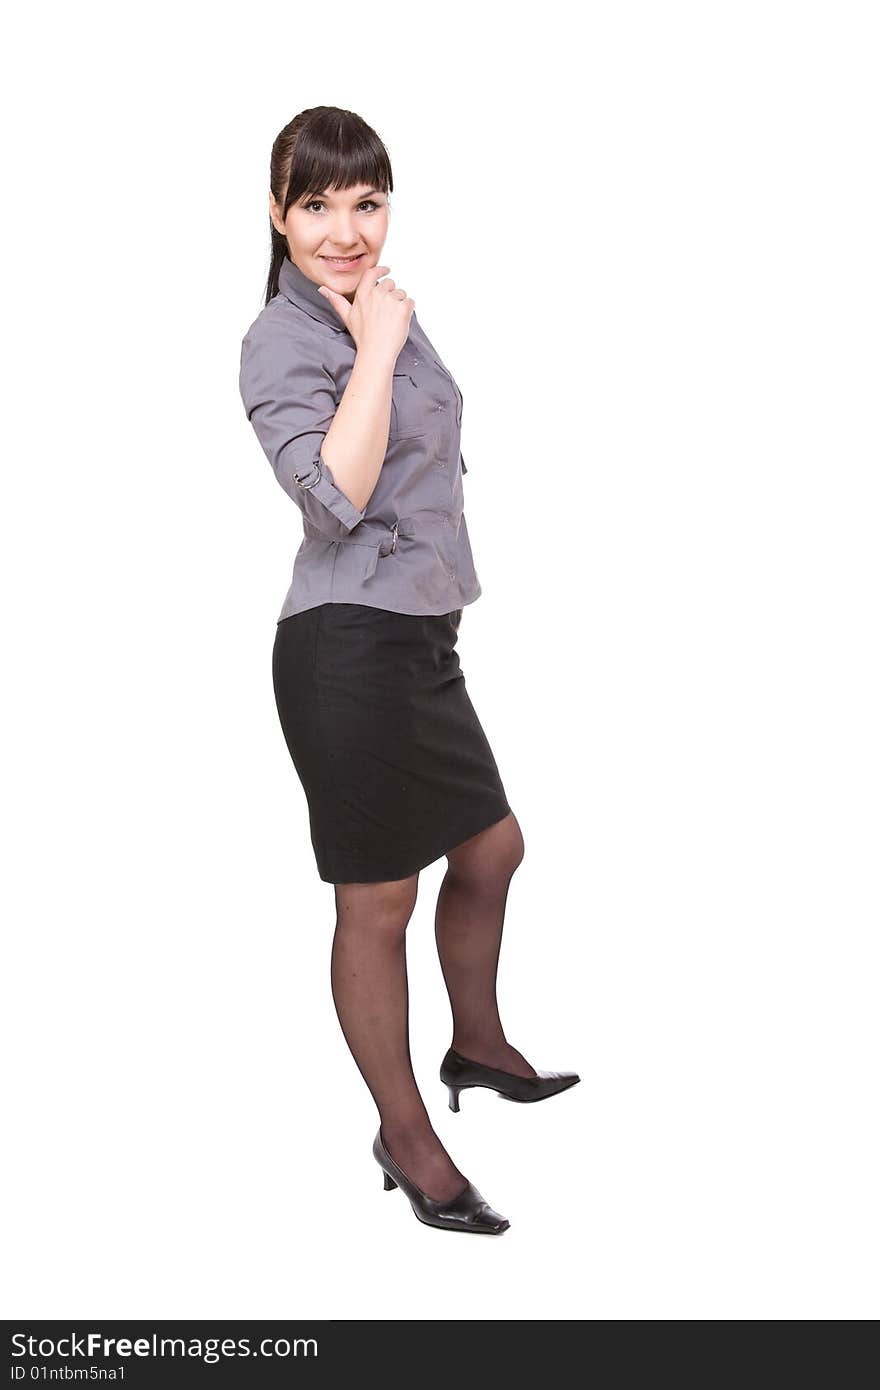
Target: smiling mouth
[[343, 260]]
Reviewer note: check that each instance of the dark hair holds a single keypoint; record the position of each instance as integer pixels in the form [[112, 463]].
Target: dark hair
[[324, 147]]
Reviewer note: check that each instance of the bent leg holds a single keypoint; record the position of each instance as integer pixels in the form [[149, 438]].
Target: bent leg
[[468, 927]]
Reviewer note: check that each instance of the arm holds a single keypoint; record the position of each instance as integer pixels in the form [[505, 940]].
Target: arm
[[357, 440], [289, 398], [377, 319]]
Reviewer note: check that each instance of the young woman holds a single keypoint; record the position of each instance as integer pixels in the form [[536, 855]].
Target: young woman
[[361, 422]]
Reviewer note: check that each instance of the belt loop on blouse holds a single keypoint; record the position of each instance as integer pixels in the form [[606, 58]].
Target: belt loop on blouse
[[379, 548]]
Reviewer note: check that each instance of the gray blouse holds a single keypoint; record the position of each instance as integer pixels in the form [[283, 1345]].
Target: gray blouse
[[408, 550]]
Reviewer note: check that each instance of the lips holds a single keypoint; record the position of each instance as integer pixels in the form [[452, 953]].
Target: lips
[[342, 262]]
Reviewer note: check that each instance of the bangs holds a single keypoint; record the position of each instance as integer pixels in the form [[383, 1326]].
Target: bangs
[[337, 151]]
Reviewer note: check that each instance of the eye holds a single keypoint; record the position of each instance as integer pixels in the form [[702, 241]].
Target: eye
[[365, 203]]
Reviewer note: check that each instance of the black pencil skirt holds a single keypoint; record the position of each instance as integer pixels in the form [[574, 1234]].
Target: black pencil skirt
[[393, 760]]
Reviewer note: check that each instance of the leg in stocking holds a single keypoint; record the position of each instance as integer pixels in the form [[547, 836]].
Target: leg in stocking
[[371, 995], [468, 926]]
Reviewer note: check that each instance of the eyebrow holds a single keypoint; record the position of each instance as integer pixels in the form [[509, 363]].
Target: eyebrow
[[360, 199]]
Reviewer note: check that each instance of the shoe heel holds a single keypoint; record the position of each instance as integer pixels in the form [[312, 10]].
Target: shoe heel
[[454, 1092], [388, 1182]]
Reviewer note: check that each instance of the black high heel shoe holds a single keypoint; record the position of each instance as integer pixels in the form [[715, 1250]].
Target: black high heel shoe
[[466, 1212], [460, 1074]]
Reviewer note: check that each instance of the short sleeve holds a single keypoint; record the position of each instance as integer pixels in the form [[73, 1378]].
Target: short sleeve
[[289, 398]]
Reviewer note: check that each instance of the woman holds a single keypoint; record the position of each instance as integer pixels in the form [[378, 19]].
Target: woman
[[361, 422]]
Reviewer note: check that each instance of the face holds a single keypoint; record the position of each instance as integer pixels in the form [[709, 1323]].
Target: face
[[352, 222]]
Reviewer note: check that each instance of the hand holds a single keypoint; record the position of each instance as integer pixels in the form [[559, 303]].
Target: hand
[[378, 317]]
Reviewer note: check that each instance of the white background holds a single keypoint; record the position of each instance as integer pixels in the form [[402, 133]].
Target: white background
[[647, 250]]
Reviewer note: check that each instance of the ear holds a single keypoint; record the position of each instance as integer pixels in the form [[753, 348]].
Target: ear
[[274, 214]]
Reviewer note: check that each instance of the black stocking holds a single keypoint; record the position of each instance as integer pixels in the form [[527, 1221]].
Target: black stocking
[[469, 922], [371, 995]]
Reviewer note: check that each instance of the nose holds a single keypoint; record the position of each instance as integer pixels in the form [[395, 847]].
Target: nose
[[344, 239]]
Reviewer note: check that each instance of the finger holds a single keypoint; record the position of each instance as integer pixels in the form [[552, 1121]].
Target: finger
[[368, 280]]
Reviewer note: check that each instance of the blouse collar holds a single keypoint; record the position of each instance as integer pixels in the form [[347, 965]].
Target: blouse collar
[[303, 292]]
